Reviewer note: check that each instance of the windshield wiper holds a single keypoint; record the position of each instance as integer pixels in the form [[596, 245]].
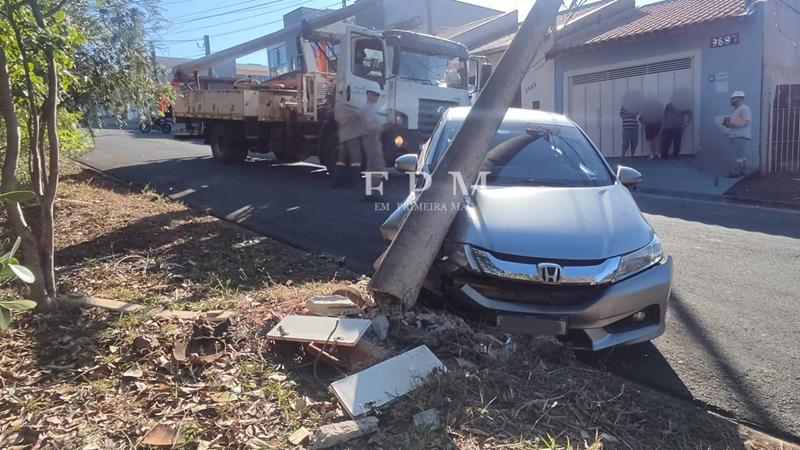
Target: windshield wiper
[[421, 80]]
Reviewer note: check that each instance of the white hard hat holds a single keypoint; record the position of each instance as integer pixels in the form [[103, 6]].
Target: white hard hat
[[737, 94]]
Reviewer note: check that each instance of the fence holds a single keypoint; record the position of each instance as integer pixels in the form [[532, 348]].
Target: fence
[[785, 131]]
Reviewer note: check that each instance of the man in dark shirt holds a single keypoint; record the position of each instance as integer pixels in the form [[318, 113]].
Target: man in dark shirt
[[672, 126]]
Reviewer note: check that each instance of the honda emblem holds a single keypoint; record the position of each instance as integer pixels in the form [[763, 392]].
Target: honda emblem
[[550, 273]]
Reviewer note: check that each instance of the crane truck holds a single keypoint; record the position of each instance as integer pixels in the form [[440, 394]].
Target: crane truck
[[292, 115]]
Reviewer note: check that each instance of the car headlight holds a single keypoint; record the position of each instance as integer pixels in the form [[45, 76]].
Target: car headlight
[[635, 262]]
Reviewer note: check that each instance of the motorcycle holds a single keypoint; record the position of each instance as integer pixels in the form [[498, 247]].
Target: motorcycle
[[162, 123]]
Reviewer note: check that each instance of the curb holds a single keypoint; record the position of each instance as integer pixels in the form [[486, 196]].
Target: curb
[[724, 198]]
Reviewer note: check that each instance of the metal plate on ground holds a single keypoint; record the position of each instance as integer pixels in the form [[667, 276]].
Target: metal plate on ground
[[378, 385], [319, 329], [536, 326]]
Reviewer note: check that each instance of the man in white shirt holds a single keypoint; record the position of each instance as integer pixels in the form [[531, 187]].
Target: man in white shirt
[[739, 133]]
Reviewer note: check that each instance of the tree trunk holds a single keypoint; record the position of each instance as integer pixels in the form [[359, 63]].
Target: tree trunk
[[30, 249], [50, 114]]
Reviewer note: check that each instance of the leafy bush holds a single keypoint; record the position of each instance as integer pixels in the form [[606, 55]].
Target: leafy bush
[[10, 269]]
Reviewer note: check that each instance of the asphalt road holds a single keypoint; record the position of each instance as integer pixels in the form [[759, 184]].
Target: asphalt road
[[731, 340]]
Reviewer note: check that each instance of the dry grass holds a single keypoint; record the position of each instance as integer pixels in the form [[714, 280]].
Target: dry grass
[[76, 380]]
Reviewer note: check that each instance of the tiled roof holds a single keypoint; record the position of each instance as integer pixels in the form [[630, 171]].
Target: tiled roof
[[671, 15]]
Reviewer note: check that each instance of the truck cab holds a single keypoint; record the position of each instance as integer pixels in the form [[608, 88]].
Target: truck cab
[[418, 77]]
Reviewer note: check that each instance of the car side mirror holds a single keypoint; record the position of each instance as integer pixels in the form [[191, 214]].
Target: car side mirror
[[406, 163], [628, 177]]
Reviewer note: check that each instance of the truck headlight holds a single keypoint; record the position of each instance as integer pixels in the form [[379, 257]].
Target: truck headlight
[[635, 262], [401, 120]]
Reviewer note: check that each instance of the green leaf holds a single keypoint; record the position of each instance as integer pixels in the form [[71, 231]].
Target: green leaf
[[14, 247], [5, 319], [23, 273], [18, 305], [17, 196]]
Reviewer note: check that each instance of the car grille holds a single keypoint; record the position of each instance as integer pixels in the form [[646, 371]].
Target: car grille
[[429, 115], [534, 293]]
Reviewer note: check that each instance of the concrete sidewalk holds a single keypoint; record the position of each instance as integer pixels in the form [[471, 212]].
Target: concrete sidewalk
[[676, 177]]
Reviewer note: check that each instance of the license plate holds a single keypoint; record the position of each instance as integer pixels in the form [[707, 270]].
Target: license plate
[[536, 326]]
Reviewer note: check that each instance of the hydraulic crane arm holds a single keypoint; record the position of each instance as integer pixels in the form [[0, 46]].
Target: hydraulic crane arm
[[187, 69]]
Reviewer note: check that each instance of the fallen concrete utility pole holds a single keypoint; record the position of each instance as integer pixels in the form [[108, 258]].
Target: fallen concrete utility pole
[[410, 255]]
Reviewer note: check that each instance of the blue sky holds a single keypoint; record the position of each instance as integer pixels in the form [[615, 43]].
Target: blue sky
[[235, 21]]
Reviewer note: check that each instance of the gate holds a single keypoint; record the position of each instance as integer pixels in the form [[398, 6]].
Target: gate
[[785, 134]]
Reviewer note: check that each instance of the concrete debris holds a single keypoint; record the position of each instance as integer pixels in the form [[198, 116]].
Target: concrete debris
[[338, 433], [299, 436], [430, 418], [380, 326], [378, 385], [358, 297], [332, 305]]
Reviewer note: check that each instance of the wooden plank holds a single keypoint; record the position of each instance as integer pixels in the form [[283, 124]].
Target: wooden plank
[[380, 384], [317, 329]]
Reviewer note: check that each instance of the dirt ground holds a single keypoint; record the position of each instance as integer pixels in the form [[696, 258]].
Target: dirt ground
[[92, 379], [773, 187]]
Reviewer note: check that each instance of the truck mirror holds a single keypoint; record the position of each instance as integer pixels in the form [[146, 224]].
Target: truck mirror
[[486, 72]]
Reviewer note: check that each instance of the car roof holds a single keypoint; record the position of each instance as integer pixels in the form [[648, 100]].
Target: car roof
[[516, 115]]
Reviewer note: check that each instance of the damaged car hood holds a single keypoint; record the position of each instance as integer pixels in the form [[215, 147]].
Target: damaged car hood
[[588, 223]]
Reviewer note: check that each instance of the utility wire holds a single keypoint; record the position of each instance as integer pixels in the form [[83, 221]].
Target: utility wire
[[234, 11], [252, 16]]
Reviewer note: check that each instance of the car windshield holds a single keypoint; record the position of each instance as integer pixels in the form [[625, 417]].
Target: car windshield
[[535, 155], [434, 70]]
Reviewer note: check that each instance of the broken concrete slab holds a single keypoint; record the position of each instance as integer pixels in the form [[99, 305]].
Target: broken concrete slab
[[378, 385], [430, 418], [380, 326], [338, 433], [332, 305], [341, 331]]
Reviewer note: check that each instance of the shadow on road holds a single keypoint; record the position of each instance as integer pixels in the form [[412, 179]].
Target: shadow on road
[[645, 364]]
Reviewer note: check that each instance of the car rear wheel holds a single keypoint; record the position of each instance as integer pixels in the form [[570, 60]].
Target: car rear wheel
[[225, 149]]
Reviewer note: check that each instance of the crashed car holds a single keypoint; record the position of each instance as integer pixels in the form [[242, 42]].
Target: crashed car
[[552, 243]]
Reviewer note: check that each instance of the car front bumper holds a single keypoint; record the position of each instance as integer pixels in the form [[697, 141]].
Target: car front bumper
[[599, 321]]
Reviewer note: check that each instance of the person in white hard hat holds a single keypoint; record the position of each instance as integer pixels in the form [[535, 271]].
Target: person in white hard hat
[[739, 133]]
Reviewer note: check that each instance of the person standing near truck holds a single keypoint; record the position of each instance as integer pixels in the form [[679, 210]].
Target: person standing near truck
[[373, 128], [348, 156]]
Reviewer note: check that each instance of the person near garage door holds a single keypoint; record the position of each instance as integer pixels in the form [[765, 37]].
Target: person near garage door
[[630, 130], [677, 117], [738, 125]]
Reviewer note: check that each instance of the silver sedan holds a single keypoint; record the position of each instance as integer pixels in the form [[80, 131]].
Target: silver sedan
[[551, 241]]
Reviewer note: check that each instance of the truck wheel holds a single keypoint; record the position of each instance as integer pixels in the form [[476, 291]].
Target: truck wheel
[[225, 149], [329, 152]]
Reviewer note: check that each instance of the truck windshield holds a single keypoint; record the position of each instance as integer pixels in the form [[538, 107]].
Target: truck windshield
[[551, 155], [434, 70]]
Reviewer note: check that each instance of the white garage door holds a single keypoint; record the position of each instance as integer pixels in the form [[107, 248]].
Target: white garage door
[[594, 100]]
